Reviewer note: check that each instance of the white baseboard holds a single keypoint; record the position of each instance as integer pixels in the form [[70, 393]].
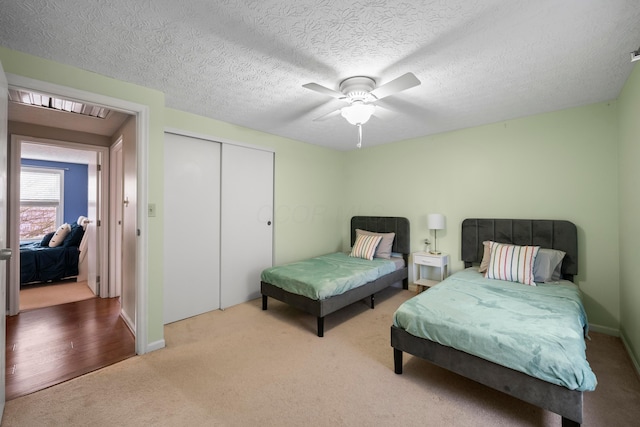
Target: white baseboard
[[616, 333], [128, 321], [604, 330], [635, 363], [156, 345]]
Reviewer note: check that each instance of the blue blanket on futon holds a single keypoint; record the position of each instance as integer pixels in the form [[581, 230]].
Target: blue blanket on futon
[[43, 264]]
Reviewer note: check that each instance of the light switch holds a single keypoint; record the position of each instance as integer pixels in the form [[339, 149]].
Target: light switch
[[152, 209]]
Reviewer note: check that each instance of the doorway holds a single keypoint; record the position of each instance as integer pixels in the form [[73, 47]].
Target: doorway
[[69, 158], [135, 242], [77, 354]]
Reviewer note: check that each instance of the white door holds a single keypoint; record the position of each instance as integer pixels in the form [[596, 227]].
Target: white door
[[247, 222], [3, 227], [93, 209], [191, 227], [115, 225], [130, 309]]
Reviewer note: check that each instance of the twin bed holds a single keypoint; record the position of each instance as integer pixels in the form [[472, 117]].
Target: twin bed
[[491, 318], [526, 341], [283, 283]]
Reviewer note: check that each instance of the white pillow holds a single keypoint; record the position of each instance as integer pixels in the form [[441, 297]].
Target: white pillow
[[81, 220], [61, 233], [546, 263]]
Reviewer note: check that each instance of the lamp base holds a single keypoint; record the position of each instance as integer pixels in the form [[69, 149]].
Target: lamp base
[[435, 252]]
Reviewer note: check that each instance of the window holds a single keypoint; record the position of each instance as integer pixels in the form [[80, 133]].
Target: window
[[41, 201]]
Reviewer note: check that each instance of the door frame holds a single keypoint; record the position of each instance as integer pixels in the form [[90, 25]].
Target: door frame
[[4, 147], [115, 215], [142, 145], [99, 158]]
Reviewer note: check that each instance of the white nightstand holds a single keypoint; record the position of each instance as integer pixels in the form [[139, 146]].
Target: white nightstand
[[421, 262]]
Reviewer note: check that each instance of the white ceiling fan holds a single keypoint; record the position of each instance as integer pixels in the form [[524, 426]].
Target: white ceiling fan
[[360, 93]]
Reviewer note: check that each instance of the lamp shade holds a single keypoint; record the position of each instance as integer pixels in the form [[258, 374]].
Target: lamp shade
[[436, 221], [358, 113]]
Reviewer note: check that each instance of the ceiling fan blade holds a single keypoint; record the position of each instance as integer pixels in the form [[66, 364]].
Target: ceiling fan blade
[[324, 90], [404, 82], [327, 116], [383, 112]]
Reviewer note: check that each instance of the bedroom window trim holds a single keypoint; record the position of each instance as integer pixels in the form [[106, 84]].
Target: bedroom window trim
[[46, 197]]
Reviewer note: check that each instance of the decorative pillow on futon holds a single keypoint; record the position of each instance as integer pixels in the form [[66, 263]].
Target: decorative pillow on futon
[[75, 236], [365, 246], [384, 247], [46, 239], [512, 263], [82, 221], [58, 237]]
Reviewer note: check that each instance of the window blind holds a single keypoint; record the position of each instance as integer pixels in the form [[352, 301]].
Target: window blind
[[42, 186]]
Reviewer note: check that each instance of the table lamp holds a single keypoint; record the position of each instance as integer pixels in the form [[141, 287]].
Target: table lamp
[[435, 222]]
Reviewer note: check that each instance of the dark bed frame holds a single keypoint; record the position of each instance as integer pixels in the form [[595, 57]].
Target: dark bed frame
[[553, 234], [321, 308]]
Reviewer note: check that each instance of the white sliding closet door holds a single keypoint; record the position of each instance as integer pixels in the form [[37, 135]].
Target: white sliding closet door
[[247, 222], [191, 227]]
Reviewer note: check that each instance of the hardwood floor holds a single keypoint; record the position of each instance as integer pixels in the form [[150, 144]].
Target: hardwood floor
[[51, 345]]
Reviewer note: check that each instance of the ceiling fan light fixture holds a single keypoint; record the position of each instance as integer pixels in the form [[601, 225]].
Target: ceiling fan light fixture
[[358, 113], [361, 92]]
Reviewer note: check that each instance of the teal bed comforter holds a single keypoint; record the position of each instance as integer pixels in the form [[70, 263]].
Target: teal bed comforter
[[539, 330], [327, 275]]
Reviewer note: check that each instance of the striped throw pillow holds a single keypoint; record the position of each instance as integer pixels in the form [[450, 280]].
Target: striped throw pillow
[[512, 263], [365, 246]]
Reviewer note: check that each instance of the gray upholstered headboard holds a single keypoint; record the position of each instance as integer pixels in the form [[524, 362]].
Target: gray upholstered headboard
[[553, 234], [384, 224]]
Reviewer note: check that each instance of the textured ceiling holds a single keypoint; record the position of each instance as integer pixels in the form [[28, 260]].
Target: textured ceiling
[[56, 154], [244, 62]]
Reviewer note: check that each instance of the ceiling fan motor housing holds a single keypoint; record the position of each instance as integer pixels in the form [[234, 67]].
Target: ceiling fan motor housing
[[358, 88]]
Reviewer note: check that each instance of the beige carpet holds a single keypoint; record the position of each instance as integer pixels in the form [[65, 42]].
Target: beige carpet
[[247, 367], [38, 296]]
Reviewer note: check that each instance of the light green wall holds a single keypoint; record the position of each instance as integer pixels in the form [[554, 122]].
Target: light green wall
[[40, 69], [629, 107], [308, 178], [560, 165]]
